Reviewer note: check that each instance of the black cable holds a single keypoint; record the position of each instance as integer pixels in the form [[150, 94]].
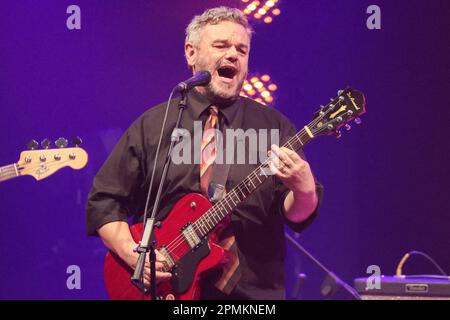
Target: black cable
[[415, 252]]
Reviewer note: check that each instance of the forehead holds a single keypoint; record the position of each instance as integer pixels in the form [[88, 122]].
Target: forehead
[[225, 30]]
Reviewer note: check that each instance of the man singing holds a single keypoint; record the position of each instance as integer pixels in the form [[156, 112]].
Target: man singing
[[217, 41]]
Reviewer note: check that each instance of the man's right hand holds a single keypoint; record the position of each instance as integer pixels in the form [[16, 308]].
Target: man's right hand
[[130, 257], [117, 237]]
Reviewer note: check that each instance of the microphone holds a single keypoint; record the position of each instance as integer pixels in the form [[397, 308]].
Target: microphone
[[201, 78]]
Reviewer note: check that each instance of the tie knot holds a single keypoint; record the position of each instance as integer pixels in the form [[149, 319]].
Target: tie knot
[[214, 110]]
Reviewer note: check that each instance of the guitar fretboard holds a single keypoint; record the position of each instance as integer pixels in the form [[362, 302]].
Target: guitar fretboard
[[8, 172], [211, 218]]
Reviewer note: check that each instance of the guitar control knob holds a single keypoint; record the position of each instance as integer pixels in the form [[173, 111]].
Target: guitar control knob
[[61, 142]]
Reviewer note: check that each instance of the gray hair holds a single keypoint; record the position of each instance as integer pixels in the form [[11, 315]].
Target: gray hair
[[215, 16]]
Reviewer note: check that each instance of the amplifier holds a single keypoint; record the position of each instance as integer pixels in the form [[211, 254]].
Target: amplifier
[[401, 288]]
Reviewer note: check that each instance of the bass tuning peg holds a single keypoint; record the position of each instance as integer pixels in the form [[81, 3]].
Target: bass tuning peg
[[46, 143], [61, 142], [76, 141], [32, 145]]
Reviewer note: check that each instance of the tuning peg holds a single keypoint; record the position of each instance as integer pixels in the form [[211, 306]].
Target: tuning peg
[[340, 92], [347, 127], [337, 133], [32, 144], [358, 120], [46, 143], [61, 142], [76, 141]]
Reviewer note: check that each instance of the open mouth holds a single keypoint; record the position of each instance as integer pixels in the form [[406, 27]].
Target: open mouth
[[227, 72]]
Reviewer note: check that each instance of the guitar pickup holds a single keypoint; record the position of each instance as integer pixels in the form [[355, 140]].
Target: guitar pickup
[[191, 236]]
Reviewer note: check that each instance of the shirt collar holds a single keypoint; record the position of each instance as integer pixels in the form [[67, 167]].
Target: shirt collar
[[198, 103]]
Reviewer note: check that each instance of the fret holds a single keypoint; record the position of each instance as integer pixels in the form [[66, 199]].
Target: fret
[[197, 228], [245, 185], [231, 197], [289, 145], [213, 216], [257, 177], [241, 196], [299, 140], [222, 208], [228, 204], [204, 225], [9, 172], [249, 184]]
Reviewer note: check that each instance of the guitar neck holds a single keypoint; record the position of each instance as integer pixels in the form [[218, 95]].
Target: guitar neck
[[227, 204], [10, 171]]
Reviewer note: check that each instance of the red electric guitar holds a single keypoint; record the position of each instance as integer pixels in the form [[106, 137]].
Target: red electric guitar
[[188, 236]]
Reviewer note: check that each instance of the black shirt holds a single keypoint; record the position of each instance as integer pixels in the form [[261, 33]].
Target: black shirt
[[119, 189]]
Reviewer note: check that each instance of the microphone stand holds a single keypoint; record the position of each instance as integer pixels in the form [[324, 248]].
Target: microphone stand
[[144, 245], [332, 282]]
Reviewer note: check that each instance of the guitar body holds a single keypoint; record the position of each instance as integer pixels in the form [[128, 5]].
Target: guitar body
[[190, 263]]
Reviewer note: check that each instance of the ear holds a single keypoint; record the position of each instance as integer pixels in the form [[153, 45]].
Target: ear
[[190, 51]]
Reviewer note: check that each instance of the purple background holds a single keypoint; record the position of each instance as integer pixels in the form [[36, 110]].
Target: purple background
[[385, 181]]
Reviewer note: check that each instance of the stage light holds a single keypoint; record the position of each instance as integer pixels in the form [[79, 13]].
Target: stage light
[[259, 88], [265, 94], [258, 85], [268, 19], [261, 11]]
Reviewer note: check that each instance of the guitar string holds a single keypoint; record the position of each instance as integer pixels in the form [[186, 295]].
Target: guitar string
[[293, 142], [179, 240]]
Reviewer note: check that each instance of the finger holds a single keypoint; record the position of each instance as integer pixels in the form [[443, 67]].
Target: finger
[[294, 156], [281, 154], [162, 276], [275, 170], [284, 156], [160, 256]]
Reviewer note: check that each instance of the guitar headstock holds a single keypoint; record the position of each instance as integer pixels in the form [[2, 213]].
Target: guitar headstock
[[347, 106], [42, 163]]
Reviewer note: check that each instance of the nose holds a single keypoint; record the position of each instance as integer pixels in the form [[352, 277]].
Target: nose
[[232, 54]]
